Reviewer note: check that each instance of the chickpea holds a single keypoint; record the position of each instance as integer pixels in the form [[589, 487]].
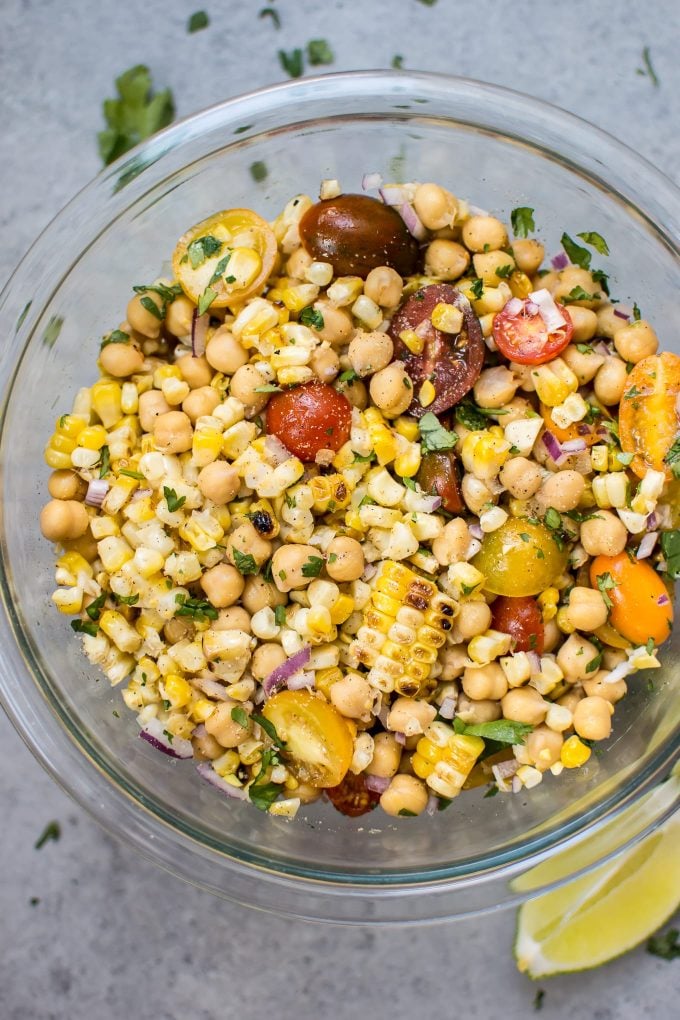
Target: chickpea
[[476, 493], [484, 233], [179, 628], [635, 341], [386, 756], [306, 793], [404, 794], [610, 381], [543, 746], [266, 658], [370, 352], [353, 697], [121, 360], [593, 718], [86, 545], [152, 404], [384, 286], [226, 731], [206, 747], [219, 482], [453, 543], [485, 683], [233, 618], [345, 559], [574, 657], [598, 687], [244, 382], [66, 484], [223, 585], [477, 711], [179, 316], [584, 321], [391, 389], [172, 432], [608, 321], [487, 265], [325, 364], [63, 519], [495, 387], [586, 610], [200, 402], [524, 704], [453, 660], [604, 535], [548, 281], [552, 635], [446, 260], [410, 716], [195, 371], [521, 477], [140, 319], [355, 391], [572, 277], [287, 566], [298, 264], [528, 254], [584, 366], [224, 353], [562, 490], [247, 540], [571, 699], [337, 324], [435, 206], [473, 618], [260, 594]]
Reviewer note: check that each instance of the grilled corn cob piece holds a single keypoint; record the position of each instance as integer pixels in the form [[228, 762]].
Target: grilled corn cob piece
[[444, 758]]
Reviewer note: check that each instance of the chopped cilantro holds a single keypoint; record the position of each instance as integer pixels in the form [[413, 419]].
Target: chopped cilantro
[[667, 946], [220, 269], [270, 729], [433, 436], [135, 114], [258, 171], [349, 376], [263, 794], [578, 294], [83, 627], [504, 271], [199, 609], [52, 330], [116, 336], [94, 610], [269, 12], [504, 731], [601, 277], [174, 501], [595, 241], [358, 459], [397, 62], [311, 316], [404, 812], [552, 519], [240, 716], [319, 52], [584, 348], [104, 462], [268, 388], [197, 21], [522, 220], [313, 566], [127, 600], [203, 248], [244, 562], [650, 646], [291, 62], [624, 458], [131, 474], [637, 315], [605, 583], [491, 792], [632, 392], [206, 299], [477, 288], [410, 484], [51, 832], [670, 546], [280, 616], [578, 255], [538, 999], [672, 458]]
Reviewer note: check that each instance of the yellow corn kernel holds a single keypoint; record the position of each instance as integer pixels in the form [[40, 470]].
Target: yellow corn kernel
[[354, 522], [407, 427], [519, 508], [68, 600], [113, 552], [599, 457], [548, 600], [367, 312], [103, 526], [164, 372], [427, 393], [70, 425], [140, 511], [227, 764], [554, 382], [325, 678], [75, 564], [202, 709], [574, 753], [415, 343], [319, 621], [245, 264], [330, 493], [406, 464], [106, 397], [373, 416], [201, 531], [56, 459], [129, 398], [297, 297], [116, 627], [447, 318], [520, 284], [383, 442], [207, 440], [177, 690], [93, 437], [148, 562], [342, 609], [345, 290], [294, 376], [484, 453]]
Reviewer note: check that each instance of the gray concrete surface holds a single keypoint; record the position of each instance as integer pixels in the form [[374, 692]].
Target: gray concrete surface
[[86, 926]]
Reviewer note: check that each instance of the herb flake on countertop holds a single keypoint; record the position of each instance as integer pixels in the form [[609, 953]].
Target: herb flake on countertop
[[270, 12], [648, 71], [197, 21], [319, 52], [258, 171], [667, 945], [134, 114], [292, 63], [51, 832]]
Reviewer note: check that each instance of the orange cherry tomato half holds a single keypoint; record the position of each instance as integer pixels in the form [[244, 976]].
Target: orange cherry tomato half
[[522, 619], [649, 417], [524, 338], [352, 797], [310, 418], [641, 608], [318, 745]]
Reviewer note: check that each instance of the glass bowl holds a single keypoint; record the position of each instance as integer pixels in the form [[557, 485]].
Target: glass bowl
[[499, 150]]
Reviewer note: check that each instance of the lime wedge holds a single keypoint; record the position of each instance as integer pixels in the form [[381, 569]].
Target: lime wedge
[[605, 913]]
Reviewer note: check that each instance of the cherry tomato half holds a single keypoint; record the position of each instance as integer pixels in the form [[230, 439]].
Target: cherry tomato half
[[318, 745], [649, 418], [641, 608], [352, 797], [519, 558], [439, 475], [310, 418], [523, 337], [452, 362], [522, 619]]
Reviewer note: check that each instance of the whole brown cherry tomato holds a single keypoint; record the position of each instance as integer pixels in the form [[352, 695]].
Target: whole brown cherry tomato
[[310, 418], [452, 362], [521, 618], [352, 797], [438, 475], [356, 234]]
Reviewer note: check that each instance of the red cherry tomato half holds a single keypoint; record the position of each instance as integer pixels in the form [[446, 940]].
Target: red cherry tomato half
[[524, 338], [310, 418], [452, 362], [352, 797], [521, 618]]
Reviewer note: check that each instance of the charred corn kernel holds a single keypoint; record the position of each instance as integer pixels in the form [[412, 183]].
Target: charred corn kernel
[[574, 753], [415, 343], [571, 410], [407, 463], [75, 564], [342, 609], [325, 678], [116, 627], [201, 710], [207, 440], [548, 600], [113, 552], [93, 437], [447, 318], [427, 393], [68, 600], [345, 290], [404, 626], [599, 457], [484, 453], [446, 765], [177, 690], [107, 401], [554, 382], [520, 284], [407, 427], [367, 312], [300, 296], [330, 493]]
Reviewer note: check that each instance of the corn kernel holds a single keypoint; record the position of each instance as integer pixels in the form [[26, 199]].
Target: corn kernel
[[177, 690], [406, 427], [415, 343], [345, 290], [447, 318], [574, 753], [367, 312], [427, 393], [548, 600], [520, 284], [106, 402], [68, 600], [301, 296]]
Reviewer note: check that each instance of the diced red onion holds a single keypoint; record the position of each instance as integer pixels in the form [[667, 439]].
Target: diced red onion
[[447, 709], [622, 312], [154, 733], [140, 494], [552, 445], [531, 308], [210, 687], [602, 348], [646, 546], [370, 570], [559, 261], [662, 600], [505, 769], [383, 714], [423, 329], [535, 661], [476, 531], [432, 806], [393, 194], [207, 772], [413, 222], [378, 784], [548, 310], [651, 521], [280, 676], [574, 446], [583, 429], [199, 330], [370, 182], [96, 492], [514, 306], [424, 502], [200, 731], [275, 452], [300, 681], [400, 738]]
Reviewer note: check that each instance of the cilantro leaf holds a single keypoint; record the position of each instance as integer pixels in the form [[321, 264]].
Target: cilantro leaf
[[244, 562], [135, 114], [504, 731], [578, 294], [116, 336], [311, 316], [105, 462], [605, 583], [313, 566], [648, 71], [206, 299], [469, 415], [672, 458], [202, 248], [262, 793], [131, 474], [83, 627], [199, 609], [319, 52], [595, 241], [578, 255], [127, 600], [220, 269], [637, 315], [240, 716], [667, 946], [94, 610], [522, 220], [52, 831], [477, 288], [269, 728], [197, 21], [670, 546], [397, 62], [504, 272], [292, 62], [174, 501], [280, 616], [359, 459], [433, 436], [269, 12], [601, 277]]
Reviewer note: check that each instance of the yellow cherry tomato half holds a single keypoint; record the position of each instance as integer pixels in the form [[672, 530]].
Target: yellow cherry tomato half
[[641, 608], [319, 746], [649, 417], [225, 259], [520, 558]]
